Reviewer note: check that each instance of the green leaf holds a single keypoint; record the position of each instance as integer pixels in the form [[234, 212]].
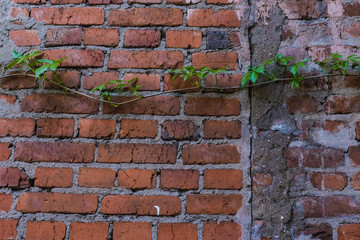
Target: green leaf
[[41, 70], [16, 55], [294, 70], [254, 77], [260, 69], [245, 78]]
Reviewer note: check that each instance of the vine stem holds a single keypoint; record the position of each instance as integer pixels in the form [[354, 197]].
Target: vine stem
[[171, 91]]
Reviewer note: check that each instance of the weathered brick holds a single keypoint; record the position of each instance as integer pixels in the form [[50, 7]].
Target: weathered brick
[[221, 230], [23, 127], [55, 2], [132, 231], [262, 179], [302, 104], [142, 38], [319, 53], [137, 128], [343, 104], [212, 18], [148, 82], [146, 17], [355, 181], [8, 98], [56, 103], [179, 179], [350, 30], [140, 205], [321, 231], [182, 2], [222, 129], [15, 12], [326, 181], [69, 16], [70, 79], [177, 231], [137, 153], [358, 131], [354, 155], [8, 228], [222, 40], [98, 2], [4, 151], [29, 1], [63, 36], [340, 206], [146, 60], [96, 177], [54, 152], [45, 230], [81, 58], [145, 1], [6, 201], [183, 39], [137, 179], [55, 127], [89, 230], [34, 202], [220, 2], [216, 60], [13, 178], [333, 126], [293, 9], [205, 106], [98, 78], [179, 83], [210, 154], [101, 37], [213, 204], [179, 130], [24, 38], [352, 9], [97, 128], [18, 82], [223, 179], [159, 105], [53, 177], [313, 207], [348, 231]]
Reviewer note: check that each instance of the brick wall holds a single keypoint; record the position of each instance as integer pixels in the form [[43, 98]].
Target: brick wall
[[261, 163]]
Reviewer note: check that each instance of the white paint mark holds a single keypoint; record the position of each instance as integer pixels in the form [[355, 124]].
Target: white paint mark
[[157, 210]]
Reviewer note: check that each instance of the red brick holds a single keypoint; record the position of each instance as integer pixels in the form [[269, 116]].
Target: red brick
[[97, 2], [6, 201], [220, 2], [98, 78], [180, 179], [159, 105], [13, 178], [56, 103], [96, 177], [8, 228], [45, 230], [342, 104], [354, 155], [63, 36], [333, 126], [70, 79], [24, 38], [132, 231], [144, 1], [221, 230], [312, 207], [355, 181], [23, 127], [340, 206], [183, 39], [222, 129], [132, 128], [179, 130], [142, 38], [212, 18], [97, 128], [69, 16], [29, 1], [302, 104], [262, 179], [182, 2], [350, 30], [352, 9], [140, 205], [137, 179], [348, 231], [358, 131], [55, 127], [4, 151], [18, 82], [205, 106], [314, 157], [213, 204], [224, 80], [101, 37], [54, 152], [179, 83], [15, 12], [320, 231], [137, 153], [319, 53], [53, 177], [146, 60], [309, 9], [177, 231], [8, 98], [89, 231], [326, 181], [210, 154], [57, 203], [216, 60], [223, 179], [148, 82], [146, 17], [82, 58], [67, 1]]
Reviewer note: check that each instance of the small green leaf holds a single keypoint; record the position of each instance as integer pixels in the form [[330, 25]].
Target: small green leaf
[[254, 77], [245, 78], [294, 70]]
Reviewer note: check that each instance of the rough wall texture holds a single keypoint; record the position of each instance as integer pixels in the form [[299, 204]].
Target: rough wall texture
[[261, 163]]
